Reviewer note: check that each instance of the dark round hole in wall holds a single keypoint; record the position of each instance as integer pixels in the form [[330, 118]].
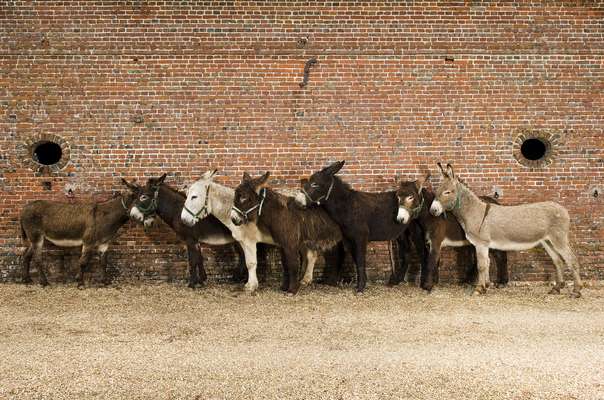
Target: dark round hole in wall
[[47, 153], [533, 149]]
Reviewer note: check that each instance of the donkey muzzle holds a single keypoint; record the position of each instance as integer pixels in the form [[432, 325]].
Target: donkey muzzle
[[403, 215], [236, 218], [436, 208]]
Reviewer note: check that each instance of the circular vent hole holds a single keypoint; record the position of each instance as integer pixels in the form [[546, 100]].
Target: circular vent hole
[[533, 149], [47, 153]]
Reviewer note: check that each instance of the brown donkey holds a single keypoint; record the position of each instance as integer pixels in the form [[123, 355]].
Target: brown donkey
[[414, 202], [90, 225], [298, 232], [519, 227]]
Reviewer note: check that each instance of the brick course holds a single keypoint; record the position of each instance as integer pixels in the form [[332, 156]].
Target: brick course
[[143, 87]]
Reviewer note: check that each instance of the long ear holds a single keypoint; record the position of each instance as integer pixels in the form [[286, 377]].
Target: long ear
[[161, 179], [334, 168], [262, 182], [246, 177], [450, 171], [209, 174], [419, 184], [129, 185], [442, 171]]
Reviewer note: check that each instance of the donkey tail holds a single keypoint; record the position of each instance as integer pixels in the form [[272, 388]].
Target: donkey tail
[[23, 234]]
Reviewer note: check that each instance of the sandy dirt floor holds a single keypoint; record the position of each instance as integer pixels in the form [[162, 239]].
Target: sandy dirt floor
[[167, 341]]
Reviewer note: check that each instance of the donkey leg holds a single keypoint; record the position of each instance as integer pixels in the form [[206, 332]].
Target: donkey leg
[[251, 262], [310, 261], [482, 256], [359, 254], [503, 274], [37, 259], [569, 257], [26, 278], [432, 265], [292, 263], [195, 258], [466, 256], [558, 263], [399, 270], [102, 249], [83, 263]]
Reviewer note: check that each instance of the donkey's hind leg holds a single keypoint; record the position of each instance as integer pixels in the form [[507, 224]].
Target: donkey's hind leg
[[251, 262], [102, 249], [503, 274], [558, 263], [195, 258], [26, 278], [309, 262], [562, 247], [83, 263], [37, 259]]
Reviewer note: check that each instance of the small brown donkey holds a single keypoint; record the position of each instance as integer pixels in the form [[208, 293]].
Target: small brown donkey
[[414, 200], [90, 225], [522, 227], [298, 232]]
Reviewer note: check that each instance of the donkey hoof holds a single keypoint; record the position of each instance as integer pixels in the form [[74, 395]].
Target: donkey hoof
[[575, 295], [554, 290], [44, 283], [26, 281], [478, 291], [501, 285]]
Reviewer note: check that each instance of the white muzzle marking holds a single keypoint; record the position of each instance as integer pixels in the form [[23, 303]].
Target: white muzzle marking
[[300, 199], [187, 218], [403, 215], [236, 218], [436, 208], [136, 214], [148, 222]]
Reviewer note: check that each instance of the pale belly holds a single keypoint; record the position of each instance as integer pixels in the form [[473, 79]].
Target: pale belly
[[65, 242], [454, 243], [512, 246]]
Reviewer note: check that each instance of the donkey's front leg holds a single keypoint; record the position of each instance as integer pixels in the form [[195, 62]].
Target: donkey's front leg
[[195, 260], [359, 253], [26, 261], [251, 262], [431, 269], [310, 261], [482, 257]]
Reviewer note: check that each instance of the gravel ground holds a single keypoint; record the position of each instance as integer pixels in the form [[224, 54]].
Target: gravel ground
[[167, 341]]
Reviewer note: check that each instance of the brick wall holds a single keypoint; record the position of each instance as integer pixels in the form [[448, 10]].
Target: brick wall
[[143, 87]]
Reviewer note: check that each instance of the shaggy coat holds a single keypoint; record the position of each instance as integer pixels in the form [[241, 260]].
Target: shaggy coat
[[295, 230]]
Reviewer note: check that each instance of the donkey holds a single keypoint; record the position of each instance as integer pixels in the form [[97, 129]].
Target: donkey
[[363, 217], [507, 228], [298, 232], [159, 199], [414, 200], [208, 198], [90, 225]]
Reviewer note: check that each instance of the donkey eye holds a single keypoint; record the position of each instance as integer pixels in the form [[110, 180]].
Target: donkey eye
[[193, 197], [314, 185], [409, 198], [447, 192], [243, 199], [143, 197]]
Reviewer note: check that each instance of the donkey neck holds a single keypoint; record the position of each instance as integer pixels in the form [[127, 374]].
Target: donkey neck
[[169, 204], [110, 215], [274, 206], [220, 202], [340, 193], [470, 209]]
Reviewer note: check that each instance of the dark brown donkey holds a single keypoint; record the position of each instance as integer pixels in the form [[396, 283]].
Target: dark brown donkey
[[158, 198], [414, 203], [295, 230], [90, 225], [363, 217]]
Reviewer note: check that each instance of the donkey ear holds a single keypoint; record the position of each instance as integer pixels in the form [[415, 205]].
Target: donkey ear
[[246, 177], [442, 170], [450, 171], [209, 174], [334, 168], [303, 181], [419, 184], [129, 185], [161, 179], [262, 182]]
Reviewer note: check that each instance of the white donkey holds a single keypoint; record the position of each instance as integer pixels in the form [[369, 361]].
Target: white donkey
[[205, 197], [507, 228]]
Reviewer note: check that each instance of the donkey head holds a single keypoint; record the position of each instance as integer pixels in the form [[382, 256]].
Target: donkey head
[[447, 194], [410, 199], [197, 205], [249, 199], [134, 191], [318, 187], [145, 205]]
